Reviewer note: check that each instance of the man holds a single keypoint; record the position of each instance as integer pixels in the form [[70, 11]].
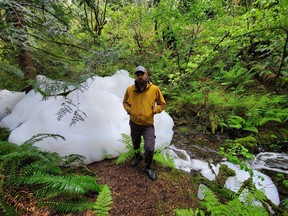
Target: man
[[142, 101]]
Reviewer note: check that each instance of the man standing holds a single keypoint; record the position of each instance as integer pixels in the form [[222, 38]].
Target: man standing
[[142, 101]]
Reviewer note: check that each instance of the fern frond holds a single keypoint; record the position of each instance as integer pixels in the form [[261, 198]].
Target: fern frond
[[40, 174], [103, 203], [6, 209], [66, 108], [210, 200], [11, 70], [189, 212], [236, 122], [39, 137], [69, 107], [7, 148], [126, 139], [69, 205], [233, 207], [78, 115], [165, 160], [41, 167], [72, 158], [123, 157], [236, 207], [20, 158], [61, 185]]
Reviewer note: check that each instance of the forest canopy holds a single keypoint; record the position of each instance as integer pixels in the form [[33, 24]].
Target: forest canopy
[[224, 62]]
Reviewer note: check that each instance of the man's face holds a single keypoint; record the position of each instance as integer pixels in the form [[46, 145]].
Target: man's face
[[141, 77]]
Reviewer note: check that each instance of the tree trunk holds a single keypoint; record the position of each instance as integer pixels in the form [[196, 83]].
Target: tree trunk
[[24, 57], [283, 56]]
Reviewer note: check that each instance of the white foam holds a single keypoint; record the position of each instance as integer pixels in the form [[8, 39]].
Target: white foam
[[8, 100], [260, 180], [99, 102]]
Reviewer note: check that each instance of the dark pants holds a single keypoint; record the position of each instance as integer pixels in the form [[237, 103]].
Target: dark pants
[[148, 133]]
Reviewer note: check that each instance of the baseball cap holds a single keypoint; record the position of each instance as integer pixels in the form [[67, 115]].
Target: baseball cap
[[140, 69]]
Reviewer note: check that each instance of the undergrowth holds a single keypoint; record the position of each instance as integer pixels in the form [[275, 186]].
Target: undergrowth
[[165, 160], [217, 199], [32, 179]]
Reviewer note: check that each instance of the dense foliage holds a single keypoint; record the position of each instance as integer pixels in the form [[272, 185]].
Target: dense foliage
[[224, 62], [31, 179], [222, 65]]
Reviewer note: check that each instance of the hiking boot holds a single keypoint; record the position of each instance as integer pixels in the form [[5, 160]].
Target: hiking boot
[[151, 174], [136, 160]]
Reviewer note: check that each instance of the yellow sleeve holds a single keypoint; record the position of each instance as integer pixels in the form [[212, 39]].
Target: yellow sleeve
[[161, 103]]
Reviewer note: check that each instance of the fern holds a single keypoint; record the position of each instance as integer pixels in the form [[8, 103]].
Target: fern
[[62, 185], [69, 205], [158, 156], [238, 122], [103, 203], [189, 212], [69, 107], [40, 137], [66, 108], [11, 70], [210, 200], [236, 207], [126, 139], [7, 148], [72, 159], [39, 174], [233, 207], [165, 160]]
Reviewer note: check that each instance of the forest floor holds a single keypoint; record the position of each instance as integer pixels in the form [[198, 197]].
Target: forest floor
[[134, 194]]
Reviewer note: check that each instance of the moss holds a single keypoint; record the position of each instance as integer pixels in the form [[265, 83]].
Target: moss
[[272, 139], [224, 173], [184, 130], [4, 134], [248, 142]]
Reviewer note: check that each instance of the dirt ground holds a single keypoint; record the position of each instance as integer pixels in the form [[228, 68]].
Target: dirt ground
[[134, 194]]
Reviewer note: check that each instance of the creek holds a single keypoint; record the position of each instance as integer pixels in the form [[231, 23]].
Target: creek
[[202, 149]]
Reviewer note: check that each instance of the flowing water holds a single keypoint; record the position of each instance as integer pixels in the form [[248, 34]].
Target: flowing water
[[199, 150], [207, 150]]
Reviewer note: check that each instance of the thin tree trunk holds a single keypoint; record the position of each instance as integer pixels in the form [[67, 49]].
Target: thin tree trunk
[[283, 56], [25, 57]]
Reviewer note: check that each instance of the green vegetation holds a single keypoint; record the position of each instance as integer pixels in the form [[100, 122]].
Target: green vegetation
[[32, 179], [222, 66]]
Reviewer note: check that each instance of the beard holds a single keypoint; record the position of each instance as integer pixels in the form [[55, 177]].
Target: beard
[[141, 81], [141, 84]]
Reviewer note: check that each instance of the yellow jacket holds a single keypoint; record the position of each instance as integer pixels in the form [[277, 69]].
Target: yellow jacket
[[141, 106]]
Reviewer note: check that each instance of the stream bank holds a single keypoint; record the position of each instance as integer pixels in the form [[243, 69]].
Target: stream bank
[[204, 146]]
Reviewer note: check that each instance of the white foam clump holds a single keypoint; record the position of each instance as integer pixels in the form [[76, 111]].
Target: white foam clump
[[8, 100], [260, 180], [180, 157], [99, 136]]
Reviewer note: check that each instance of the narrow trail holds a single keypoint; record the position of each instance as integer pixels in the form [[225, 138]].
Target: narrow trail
[[135, 194]]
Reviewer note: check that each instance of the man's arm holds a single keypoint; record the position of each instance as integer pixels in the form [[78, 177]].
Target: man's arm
[[161, 103]]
